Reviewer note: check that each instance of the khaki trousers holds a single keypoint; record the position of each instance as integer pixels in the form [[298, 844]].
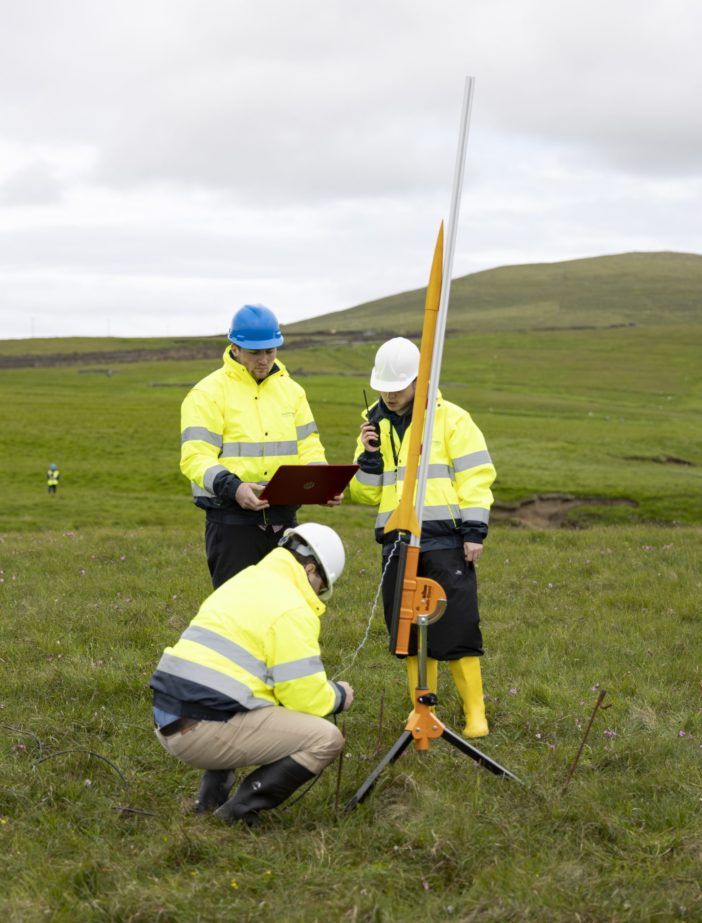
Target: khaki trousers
[[256, 738]]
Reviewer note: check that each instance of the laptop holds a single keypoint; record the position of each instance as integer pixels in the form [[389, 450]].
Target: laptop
[[298, 484]]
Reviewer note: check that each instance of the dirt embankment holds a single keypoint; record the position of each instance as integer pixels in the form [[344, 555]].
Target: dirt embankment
[[106, 358], [549, 511], [185, 351]]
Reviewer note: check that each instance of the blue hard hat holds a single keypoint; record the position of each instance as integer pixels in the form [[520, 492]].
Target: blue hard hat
[[53, 467], [255, 327]]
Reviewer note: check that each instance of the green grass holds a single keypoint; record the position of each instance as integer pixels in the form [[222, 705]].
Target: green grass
[[85, 618], [97, 580]]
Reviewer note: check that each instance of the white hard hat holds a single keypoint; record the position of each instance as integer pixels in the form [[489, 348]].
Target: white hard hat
[[396, 365], [322, 543]]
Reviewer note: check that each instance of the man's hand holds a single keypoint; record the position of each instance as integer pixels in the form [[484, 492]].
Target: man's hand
[[472, 551], [349, 694], [247, 496], [370, 438], [335, 501]]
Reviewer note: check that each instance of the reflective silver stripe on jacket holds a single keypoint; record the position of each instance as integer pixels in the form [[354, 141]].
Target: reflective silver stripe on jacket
[[201, 434], [429, 514], [210, 474], [370, 480], [257, 449], [472, 460], [476, 514], [213, 679], [304, 431], [297, 669], [200, 491], [235, 653], [436, 470]]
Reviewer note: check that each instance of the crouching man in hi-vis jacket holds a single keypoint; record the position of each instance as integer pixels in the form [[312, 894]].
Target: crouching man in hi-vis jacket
[[245, 684]]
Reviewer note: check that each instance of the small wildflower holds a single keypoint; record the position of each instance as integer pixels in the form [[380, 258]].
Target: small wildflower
[[123, 557], [595, 687], [87, 783], [425, 884], [549, 585], [513, 690], [538, 735], [608, 732], [234, 884], [682, 733]]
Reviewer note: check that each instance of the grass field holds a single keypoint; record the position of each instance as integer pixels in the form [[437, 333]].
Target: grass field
[[96, 581]]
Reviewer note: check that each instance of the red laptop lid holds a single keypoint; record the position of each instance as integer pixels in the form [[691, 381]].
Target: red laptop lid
[[298, 484]]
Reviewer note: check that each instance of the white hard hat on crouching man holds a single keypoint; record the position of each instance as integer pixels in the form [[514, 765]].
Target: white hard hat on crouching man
[[245, 684]]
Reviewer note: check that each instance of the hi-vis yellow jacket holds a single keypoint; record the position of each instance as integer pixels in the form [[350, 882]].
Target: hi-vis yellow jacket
[[458, 496], [254, 643], [52, 477], [230, 423]]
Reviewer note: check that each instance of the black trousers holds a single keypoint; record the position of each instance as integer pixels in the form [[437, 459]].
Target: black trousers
[[231, 548], [457, 633]]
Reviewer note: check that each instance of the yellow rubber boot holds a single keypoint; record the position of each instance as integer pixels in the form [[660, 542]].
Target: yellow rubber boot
[[466, 676], [413, 674]]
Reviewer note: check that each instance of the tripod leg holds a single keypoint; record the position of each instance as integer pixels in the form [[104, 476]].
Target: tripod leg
[[396, 751], [460, 744]]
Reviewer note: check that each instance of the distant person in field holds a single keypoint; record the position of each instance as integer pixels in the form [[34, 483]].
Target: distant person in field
[[238, 425], [53, 476], [245, 684], [454, 521]]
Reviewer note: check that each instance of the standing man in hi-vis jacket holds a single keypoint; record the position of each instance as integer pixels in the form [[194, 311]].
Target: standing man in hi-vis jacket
[[245, 684], [238, 425], [454, 521]]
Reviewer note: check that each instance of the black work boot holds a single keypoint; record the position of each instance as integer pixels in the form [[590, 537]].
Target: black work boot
[[264, 788], [215, 786]]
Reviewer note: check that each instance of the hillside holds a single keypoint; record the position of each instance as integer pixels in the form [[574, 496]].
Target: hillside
[[604, 291], [628, 290]]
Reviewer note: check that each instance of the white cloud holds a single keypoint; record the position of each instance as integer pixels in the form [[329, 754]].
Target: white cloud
[[182, 157]]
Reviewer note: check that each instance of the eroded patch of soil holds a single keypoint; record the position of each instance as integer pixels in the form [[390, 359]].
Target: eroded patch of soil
[[549, 511], [660, 459]]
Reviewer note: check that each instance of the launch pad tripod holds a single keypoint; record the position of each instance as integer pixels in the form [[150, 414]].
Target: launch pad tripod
[[423, 726]]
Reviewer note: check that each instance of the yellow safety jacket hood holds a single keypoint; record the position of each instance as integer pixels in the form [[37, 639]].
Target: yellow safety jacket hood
[[253, 644]]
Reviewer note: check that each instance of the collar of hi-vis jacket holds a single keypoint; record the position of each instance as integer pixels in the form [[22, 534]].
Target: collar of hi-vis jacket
[[379, 411], [282, 562], [237, 370]]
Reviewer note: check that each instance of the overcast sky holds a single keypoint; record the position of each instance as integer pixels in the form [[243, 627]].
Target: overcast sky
[[164, 161]]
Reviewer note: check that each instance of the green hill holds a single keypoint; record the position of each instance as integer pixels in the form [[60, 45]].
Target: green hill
[[603, 291]]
